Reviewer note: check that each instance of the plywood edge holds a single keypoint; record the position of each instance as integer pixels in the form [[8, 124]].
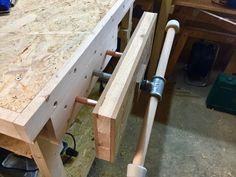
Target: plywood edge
[[43, 105], [111, 108]]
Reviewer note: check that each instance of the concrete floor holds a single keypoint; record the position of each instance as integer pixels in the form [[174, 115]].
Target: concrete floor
[[189, 141]]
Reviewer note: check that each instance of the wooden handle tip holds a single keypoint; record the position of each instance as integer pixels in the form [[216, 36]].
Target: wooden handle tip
[[173, 24]]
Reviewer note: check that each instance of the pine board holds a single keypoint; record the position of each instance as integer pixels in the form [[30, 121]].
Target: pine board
[[114, 105]]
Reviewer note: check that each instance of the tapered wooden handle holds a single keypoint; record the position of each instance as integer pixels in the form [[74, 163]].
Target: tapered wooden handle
[[172, 28]]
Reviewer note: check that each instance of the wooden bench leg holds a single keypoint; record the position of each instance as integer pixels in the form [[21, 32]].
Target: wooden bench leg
[[177, 52], [47, 157], [231, 67], [125, 29], [163, 17]]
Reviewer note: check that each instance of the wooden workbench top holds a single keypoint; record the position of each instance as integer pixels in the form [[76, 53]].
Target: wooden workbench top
[[37, 37]]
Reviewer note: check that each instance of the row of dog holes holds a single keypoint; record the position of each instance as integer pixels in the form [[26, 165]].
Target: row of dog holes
[[56, 103], [85, 77], [65, 107]]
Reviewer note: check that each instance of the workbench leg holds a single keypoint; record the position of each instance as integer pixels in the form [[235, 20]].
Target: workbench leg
[[125, 29], [47, 158], [159, 36], [231, 67], [181, 42]]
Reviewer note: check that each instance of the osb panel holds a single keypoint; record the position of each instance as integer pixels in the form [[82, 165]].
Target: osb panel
[[37, 37]]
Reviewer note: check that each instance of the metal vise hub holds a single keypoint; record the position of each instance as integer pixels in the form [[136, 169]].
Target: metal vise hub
[[154, 87]]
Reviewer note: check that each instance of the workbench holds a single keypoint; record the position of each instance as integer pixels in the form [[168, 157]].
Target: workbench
[[48, 52]]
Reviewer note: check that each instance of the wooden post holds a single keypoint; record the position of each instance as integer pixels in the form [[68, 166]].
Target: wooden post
[[159, 36], [177, 52], [125, 29], [47, 158], [231, 67]]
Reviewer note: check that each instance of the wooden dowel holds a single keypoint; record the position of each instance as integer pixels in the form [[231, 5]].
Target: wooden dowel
[[139, 159], [165, 54], [144, 138], [114, 54], [86, 101]]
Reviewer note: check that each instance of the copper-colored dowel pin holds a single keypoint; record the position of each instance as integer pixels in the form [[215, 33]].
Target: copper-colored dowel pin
[[86, 101], [114, 53]]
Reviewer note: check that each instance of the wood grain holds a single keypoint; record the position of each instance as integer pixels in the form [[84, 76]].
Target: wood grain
[[16, 146], [113, 108]]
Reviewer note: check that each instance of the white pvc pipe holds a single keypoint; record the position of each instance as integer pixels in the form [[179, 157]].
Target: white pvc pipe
[[136, 169]]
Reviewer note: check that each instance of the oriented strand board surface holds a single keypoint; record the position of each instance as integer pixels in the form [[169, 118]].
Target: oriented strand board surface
[[36, 40]]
